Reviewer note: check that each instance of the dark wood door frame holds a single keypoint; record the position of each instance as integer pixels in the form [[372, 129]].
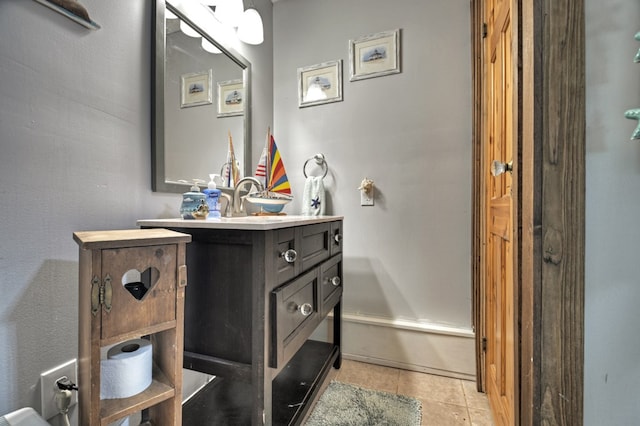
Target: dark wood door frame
[[551, 188]]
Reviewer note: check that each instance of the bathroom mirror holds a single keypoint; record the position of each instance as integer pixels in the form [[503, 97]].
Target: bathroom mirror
[[199, 98]]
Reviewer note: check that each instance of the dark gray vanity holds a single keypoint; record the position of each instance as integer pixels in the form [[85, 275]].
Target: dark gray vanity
[[258, 288]]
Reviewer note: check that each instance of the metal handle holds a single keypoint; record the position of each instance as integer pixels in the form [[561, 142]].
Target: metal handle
[[305, 309], [337, 238], [289, 256], [498, 167], [335, 281]]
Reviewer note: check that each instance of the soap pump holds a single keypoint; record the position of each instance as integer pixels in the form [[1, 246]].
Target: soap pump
[[194, 205], [212, 195]]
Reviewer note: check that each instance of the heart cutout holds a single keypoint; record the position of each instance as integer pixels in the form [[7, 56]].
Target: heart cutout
[[138, 283]]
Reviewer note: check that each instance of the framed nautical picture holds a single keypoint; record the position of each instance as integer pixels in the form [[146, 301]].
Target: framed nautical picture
[[375, 55], [196, 89], [230, 98], [320, 84]]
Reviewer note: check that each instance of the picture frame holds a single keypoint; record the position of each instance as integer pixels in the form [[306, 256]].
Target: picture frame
[[320, 84], [231, 98], [374, 55], [196, 89]]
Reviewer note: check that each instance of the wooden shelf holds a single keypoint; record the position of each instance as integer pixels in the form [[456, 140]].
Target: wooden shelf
[[108, 314], [228, 401], [75, 18], [159, 390]]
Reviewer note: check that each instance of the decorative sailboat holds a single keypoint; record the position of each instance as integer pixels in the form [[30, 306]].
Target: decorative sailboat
[[271, 171], [231, 173]]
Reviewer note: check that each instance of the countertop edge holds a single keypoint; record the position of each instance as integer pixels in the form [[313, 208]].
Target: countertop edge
[[241, 223]]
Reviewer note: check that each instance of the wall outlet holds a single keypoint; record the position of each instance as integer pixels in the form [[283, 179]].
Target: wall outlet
[[366, 199], [48, 387]]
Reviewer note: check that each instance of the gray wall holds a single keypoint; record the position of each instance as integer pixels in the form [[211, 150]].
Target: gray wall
[[74, 155], [612, 343], [409, 255]]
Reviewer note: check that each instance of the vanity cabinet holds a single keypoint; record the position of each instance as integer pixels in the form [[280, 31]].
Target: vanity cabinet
[[109, 313], [257, 291]]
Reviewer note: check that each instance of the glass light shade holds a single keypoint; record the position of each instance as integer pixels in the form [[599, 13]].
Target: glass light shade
[[250, 29], [210, 47], [229, 12], [186, 28]]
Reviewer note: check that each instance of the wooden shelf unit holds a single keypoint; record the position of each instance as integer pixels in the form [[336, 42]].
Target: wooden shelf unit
[[110, 314]]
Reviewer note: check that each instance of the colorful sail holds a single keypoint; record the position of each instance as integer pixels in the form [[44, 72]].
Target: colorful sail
[[261, 169], [278, 180]]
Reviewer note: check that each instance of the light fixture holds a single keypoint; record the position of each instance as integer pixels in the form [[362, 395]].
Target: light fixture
[[229, 12], [186, 28], [250, 29], [210, 47]]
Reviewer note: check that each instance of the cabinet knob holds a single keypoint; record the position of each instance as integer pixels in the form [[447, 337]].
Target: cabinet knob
[[337, 238], [335, 281], [305, 309], [289, 256]]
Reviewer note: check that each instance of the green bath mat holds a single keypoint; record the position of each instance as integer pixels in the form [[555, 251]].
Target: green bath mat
[[342, 404]]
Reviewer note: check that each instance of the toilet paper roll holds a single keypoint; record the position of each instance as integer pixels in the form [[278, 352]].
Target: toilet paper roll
[[127, 370]]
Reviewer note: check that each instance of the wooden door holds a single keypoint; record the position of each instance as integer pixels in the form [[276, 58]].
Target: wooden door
[[500, 237]]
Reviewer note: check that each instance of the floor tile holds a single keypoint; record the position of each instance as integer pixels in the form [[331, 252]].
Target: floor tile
[[369, 376], [441, 414], [474, 398], [480, 417], [445, 401], [431, 387]]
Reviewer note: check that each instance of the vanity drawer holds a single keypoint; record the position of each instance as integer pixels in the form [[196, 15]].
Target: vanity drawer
[[330, 284], [299, 249], [336, 237], [285, 254], [294, 316], [314, 244]]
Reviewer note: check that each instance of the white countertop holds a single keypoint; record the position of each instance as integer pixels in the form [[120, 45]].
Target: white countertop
[[260, 223]]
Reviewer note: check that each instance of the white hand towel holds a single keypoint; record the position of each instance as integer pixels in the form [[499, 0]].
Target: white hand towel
[[313, 196]]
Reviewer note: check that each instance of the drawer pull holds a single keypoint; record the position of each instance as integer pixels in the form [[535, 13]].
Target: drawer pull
[[337, 238], [305, 309], [289, 256], [335, 281]]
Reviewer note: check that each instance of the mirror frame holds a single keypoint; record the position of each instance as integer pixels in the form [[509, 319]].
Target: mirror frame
[[158, 182]]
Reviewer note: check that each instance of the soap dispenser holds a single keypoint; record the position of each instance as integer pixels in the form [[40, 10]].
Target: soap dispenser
[[212, 195], [194, 205]]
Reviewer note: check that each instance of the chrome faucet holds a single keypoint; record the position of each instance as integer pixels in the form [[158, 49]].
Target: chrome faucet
[[238, 202], [228, 210]]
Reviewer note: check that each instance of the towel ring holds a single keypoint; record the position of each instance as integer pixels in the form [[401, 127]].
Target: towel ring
[[320, 161]]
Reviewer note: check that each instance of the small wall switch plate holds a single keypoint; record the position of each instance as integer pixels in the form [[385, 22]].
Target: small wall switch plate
[[48, 387], [366, 199]]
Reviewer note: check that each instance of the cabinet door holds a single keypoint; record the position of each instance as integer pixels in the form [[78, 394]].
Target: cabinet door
[[330, 284], [336, 237], [294, 316], [314, 245], [286, 267], [156, 268]]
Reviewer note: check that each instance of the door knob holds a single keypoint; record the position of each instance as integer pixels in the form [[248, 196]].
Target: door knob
[[498, 167]]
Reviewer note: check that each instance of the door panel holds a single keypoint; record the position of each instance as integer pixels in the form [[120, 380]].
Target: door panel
[[498, 257]]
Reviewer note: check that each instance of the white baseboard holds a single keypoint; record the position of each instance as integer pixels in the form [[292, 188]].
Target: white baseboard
[[410, 345]]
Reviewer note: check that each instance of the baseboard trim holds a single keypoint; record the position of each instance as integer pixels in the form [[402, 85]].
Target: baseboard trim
[[409, 345], [409, 325]]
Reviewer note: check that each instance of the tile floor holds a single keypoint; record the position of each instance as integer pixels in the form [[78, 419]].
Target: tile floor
[[445, 401]]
